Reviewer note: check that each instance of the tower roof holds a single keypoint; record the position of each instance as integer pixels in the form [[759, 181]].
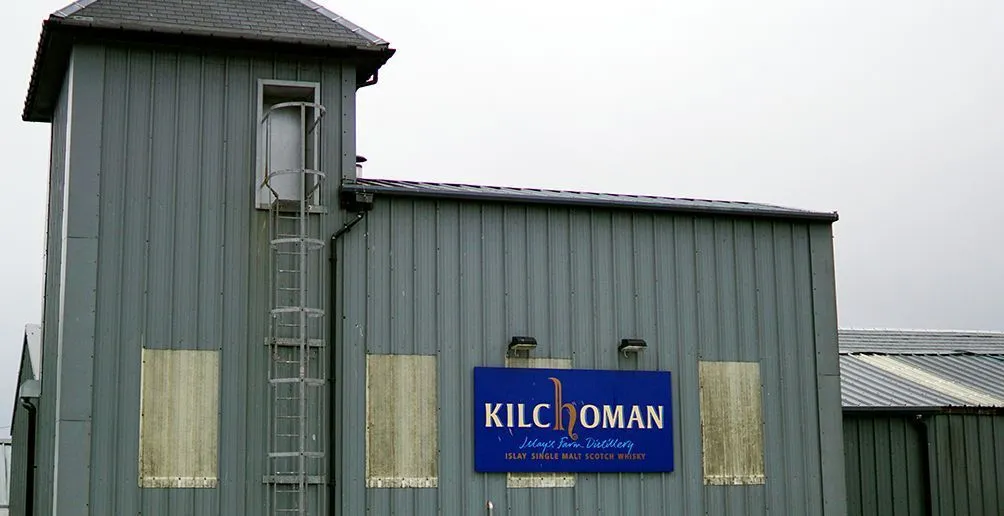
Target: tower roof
[[299, 26]]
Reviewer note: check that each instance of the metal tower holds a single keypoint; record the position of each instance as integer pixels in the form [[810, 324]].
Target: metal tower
[[296, 372]]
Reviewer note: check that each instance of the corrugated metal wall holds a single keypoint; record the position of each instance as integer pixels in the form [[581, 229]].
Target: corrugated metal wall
[[885, 466], [967, 464], [46, 431], [458, 279], [888, 472], [5, 472], [17, 480], [182, 259], [181, 264]]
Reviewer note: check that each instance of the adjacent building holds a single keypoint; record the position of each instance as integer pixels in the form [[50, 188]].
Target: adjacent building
[[21, 450], [923, 422], [237, 322], [5, 472]]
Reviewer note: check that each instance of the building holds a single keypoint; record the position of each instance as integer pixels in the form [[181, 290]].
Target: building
[[23, 422], [237, 322], [923, 422], [5, 470]]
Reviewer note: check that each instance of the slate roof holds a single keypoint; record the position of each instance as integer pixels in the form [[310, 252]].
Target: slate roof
[[298, 26], [929, 370], [299, 20], [585, 199]]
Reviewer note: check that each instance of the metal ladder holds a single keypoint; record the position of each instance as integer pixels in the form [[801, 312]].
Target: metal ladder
[[296, 369]]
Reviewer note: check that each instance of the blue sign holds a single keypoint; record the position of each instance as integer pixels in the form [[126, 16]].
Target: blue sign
[[572, 420]]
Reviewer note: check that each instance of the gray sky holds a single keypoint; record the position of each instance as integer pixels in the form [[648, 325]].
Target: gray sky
[[891, 113]]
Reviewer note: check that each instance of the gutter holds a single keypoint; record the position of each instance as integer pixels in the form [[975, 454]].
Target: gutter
[[494, 195], [60, 34]]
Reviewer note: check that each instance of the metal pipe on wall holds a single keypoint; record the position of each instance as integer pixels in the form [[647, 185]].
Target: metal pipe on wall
[[29, 482], [332, 322], [921, 422]]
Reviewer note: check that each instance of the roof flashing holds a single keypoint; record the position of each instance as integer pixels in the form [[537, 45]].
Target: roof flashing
[[73, 8], [483, 193], [337, 18]]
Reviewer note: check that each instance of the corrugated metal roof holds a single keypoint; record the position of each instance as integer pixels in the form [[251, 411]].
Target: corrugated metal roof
[[865, 385], [5, 457], [920, 341], [586, 199], [921, 369]]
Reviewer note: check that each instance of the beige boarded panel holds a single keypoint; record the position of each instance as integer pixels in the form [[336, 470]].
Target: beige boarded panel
[[731, 423], [402, 421], [179, 415], [516, 480]]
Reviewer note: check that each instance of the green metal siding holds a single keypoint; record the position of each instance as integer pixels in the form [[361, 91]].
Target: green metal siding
[[46, 431], [19, 445], [181, 263], [885, 467], [181, 258], [457, 279], [886, 473], [967, 464]]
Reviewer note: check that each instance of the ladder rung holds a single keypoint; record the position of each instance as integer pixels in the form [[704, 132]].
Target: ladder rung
[[311, 312], [314, 455], [293, 479], [313, 382], [294, 343]]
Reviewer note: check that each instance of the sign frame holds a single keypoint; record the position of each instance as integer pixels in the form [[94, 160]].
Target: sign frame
[[572, 421]]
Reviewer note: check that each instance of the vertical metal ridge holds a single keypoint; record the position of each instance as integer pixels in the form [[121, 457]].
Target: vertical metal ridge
[[110, 279], [235, 305], [447, 349], [187, 222], [688, 463], [50, 314], [147, 232], [805, 319]]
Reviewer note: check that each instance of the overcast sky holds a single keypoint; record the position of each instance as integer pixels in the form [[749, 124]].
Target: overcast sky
[[891, 113]]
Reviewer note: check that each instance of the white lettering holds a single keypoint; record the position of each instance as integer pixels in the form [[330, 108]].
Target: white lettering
[[523, 423], [536, 415], [508, 412], [635, 416], [613, 417], [654, 418], [589, 421], [491, 415]]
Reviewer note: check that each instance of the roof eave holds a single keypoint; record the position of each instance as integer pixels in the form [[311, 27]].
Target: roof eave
[[59, 34], [625, 204], [919, 410]]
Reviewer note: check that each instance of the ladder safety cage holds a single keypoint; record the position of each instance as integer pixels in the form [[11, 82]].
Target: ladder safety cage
[[297, 376], [297, 175]]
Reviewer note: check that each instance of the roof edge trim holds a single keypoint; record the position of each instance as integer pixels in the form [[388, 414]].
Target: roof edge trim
[[59, 34], [870, 410], [624, 203], [73, 8], [341, 20]]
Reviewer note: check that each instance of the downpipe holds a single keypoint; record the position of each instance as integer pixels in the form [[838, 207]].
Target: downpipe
[[333, 325]]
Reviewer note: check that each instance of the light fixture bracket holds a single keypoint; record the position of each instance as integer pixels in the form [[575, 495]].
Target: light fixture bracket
[[631, 346], [521, 344]]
